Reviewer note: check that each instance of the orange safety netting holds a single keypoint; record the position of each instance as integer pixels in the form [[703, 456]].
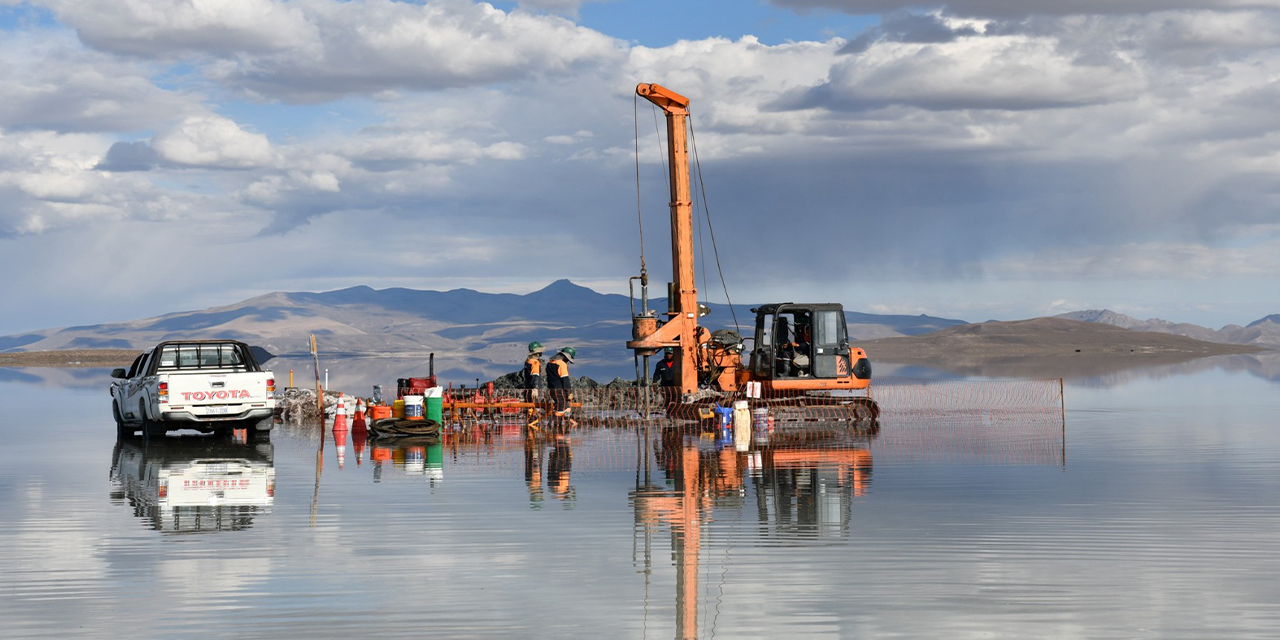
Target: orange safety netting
[[992, 421]]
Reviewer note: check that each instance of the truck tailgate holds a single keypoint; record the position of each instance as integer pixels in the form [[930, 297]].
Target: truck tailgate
[[217, 482], [214, 394]]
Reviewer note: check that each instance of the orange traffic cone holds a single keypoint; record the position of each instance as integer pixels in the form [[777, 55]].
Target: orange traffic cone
[[340, 416], [359, 432], [359, 436], [358, 422], [340, 439]]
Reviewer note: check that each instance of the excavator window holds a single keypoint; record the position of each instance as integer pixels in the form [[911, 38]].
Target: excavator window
[[793, 344], [762, 354], [799, 341], [831, 331], [830, 345]]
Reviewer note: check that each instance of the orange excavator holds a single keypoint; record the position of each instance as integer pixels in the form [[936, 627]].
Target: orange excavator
[[798, 350]]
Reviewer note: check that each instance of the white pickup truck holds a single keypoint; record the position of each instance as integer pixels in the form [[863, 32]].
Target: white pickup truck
[[206, 385]]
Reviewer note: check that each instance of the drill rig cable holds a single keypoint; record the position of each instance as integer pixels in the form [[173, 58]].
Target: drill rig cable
[[702, 186], [702, 245], [657, 135]]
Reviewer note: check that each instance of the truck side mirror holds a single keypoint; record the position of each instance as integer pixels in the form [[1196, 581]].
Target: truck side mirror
[[119, 373]]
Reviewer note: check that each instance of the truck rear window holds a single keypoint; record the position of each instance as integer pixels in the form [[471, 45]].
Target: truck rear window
[[200, 356]]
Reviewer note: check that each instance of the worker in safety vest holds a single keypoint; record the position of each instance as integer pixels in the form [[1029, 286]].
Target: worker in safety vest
[[533, 372], [559, 467], [533, 469], [558, 380]]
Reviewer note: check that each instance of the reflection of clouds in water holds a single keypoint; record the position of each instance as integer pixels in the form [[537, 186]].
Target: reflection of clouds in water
[[1264, 365], [1090, 372], [53, 554], [65, 547], [204, 578], [1155, 511], [11, 374]]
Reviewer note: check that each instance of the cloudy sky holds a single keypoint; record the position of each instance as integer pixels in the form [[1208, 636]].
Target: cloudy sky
[[980, 159]]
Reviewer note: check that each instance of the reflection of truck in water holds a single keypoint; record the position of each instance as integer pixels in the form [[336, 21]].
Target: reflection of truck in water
[[193, 485], [206, 385]]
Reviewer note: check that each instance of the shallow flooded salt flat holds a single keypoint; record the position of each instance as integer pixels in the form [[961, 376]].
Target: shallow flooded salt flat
[[1157, 519]]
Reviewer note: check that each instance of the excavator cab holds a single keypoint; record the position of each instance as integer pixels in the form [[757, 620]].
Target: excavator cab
[[804, 342]]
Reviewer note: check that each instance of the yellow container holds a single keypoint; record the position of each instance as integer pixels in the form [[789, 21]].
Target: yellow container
[[397, 409]]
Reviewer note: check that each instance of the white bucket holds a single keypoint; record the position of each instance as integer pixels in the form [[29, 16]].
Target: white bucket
[[741, 425], [760, 419], [760, 426], [413, 407]]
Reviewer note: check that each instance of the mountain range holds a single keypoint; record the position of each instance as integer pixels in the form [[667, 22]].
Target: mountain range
[[466, 329], [1046, 348], [1264, 332], [487, 332]]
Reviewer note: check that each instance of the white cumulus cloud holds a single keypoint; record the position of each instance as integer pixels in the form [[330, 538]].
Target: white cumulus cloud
[[316, 50], [977, 72], [1021, 8], [49, 181], [50, 81], [172, 28], [212, 141]]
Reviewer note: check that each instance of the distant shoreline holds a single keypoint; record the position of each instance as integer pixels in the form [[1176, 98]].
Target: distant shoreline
[[910, 350], [70, 358], [1047, 339]]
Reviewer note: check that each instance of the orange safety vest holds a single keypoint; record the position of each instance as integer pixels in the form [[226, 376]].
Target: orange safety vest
[[558, 374]]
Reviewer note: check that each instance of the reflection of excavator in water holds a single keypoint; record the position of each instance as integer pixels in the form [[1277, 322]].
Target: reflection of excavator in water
[[798, 349], [803, 491]]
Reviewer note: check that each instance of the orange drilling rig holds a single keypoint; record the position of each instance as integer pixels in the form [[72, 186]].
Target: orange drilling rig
[[797, 350]]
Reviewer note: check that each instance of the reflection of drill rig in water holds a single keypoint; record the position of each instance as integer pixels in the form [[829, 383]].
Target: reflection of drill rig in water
[[785, 360], [804, 490]]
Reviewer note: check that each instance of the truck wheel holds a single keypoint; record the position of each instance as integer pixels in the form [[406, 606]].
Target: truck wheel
[[150, 428], [154, 429], [122, 431], [261, 429]]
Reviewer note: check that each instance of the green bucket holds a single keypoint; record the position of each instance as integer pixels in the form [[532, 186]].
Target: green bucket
[[434, 404]]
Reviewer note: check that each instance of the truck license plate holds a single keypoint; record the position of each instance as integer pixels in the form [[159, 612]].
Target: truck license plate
[[213, 411]]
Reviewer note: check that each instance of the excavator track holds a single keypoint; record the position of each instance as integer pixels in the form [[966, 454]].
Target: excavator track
[[790, 410], [823, 409]]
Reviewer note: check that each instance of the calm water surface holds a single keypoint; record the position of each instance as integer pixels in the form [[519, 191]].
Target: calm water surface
[[1158, 519]]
